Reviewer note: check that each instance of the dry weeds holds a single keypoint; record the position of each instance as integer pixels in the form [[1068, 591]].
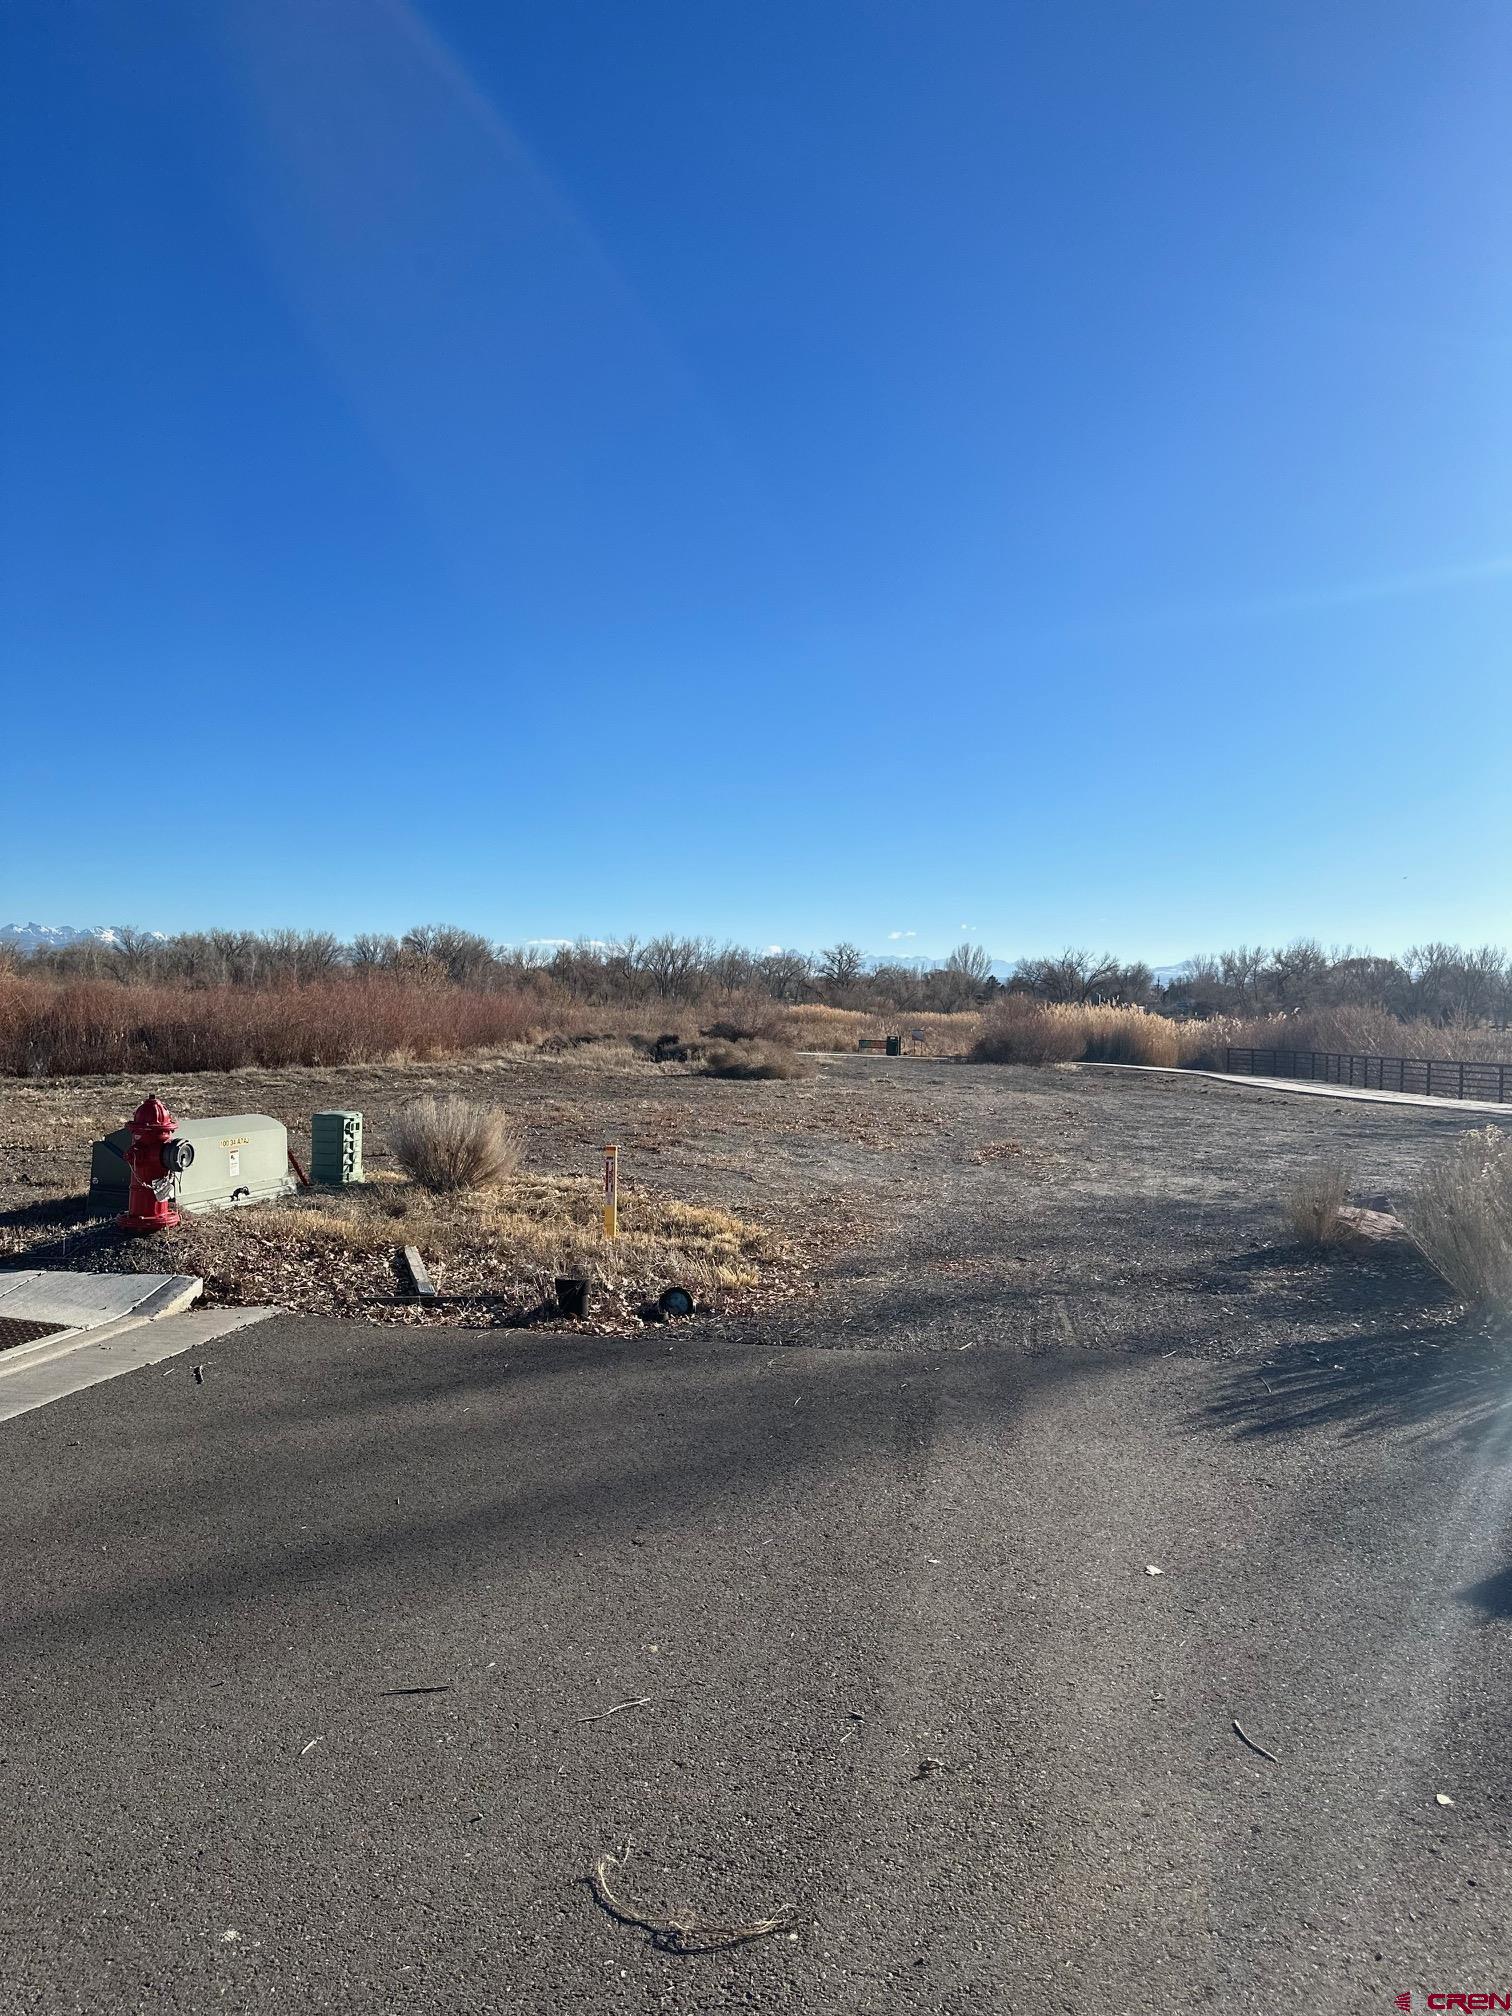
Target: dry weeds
[[494, 1255], [1025, 1031], [1314, 1203], [1459, 1215], [752, 1060]]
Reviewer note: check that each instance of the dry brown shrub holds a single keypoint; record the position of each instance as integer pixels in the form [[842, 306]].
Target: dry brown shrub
[[1314, 1203], [451, 1143], [1459, 1214], [752, 1060], [50, 1029]]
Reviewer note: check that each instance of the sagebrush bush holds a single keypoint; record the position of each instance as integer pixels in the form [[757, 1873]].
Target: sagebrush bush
[[1314, 1202], [451, 1143], [752, 1060], [1459, 1214]]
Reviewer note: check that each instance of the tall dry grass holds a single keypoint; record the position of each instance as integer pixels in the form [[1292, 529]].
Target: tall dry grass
[[101, 1028], [811, 1025], [67, 1028], [1353, 1031], [1314, 1202], [1021, 1030], [98, 1027], [1459, 1214], [1025, 1031]]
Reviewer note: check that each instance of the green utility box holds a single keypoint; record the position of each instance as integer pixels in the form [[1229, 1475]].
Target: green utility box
[[239, 1158], [336, 1148]]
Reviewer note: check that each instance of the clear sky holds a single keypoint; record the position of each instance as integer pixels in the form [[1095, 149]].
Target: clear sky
[[777, 469]]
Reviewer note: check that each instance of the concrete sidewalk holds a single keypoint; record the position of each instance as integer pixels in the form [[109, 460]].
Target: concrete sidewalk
[[86, 1301], [95, 1326], [1317, 1088], [57, 1367]]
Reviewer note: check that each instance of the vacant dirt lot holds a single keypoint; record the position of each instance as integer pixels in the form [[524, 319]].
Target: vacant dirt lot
[[994, 1208]]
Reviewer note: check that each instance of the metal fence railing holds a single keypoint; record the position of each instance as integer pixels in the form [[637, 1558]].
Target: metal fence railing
[[1439, 1077]]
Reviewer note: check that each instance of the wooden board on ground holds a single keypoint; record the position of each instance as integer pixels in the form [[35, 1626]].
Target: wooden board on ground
[[425, 1288]]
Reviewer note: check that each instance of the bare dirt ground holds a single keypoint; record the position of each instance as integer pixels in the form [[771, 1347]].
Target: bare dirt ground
[[1030, 1210]]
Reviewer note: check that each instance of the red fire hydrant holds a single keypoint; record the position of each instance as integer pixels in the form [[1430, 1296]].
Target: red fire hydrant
[[154, 1159]]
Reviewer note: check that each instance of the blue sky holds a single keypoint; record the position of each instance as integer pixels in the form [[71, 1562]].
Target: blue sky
[[785, 471]]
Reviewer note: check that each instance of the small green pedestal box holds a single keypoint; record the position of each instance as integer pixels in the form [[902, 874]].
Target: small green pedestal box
[[336, 1148]]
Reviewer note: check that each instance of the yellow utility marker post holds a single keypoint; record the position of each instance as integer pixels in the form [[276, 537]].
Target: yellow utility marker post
[[611, 1193]]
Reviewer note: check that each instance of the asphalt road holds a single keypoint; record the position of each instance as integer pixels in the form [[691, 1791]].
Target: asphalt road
[[898, 1661]]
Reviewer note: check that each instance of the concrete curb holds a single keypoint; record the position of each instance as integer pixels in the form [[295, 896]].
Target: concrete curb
[[88, 1304], [63, 1341], [95, 1355]]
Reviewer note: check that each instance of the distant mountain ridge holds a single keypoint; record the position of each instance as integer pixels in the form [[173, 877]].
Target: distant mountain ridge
[[922, 962], [1002, 969], [49, 937]]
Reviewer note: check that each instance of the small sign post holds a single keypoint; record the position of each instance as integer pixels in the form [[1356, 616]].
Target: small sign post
[[611, 1193]]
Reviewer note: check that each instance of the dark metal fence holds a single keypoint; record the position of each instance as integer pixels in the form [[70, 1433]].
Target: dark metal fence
[[1438, 1077]]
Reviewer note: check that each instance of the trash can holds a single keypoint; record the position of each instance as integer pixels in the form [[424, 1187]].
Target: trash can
[[895, 1046]]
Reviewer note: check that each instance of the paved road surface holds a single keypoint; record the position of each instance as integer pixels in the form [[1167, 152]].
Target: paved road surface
[[822, 1568]]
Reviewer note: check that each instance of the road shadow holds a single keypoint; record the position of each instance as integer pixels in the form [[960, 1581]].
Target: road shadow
[[340, 1461], [1491, 1596], [59, 1211], [81, 1242], [1448, 1381]]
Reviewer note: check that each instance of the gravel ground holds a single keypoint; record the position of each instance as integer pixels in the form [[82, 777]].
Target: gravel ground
[[1083, 1209]]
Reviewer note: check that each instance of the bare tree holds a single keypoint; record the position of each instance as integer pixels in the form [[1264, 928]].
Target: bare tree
[[972, 962], [675, 964], [786, 976], [1073, 976], [374, 951], [302, 956], [133, 954], [1243, 971], [731, 969], [842, 965], [1296, 972]]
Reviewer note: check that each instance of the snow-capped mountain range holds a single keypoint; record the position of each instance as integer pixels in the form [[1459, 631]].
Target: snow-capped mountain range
[[47, 937]]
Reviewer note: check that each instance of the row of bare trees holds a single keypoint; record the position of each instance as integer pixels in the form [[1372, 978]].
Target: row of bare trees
[[1446, 983], [1439, 982]]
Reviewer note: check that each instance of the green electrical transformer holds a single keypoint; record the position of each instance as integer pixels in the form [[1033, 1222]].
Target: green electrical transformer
[[336, 1148]]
